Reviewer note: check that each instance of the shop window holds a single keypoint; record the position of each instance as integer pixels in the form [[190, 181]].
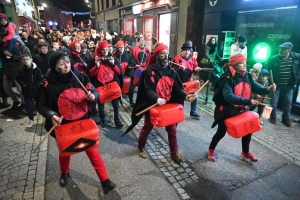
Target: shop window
[[107, 3], [113, 2]]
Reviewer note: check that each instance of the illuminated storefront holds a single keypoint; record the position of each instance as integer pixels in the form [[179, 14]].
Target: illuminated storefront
[[24, 12]]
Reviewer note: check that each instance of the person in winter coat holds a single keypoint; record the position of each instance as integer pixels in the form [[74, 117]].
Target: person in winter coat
[[7, 33], [41, 59], [105, 69], [78, 59], [127, 63], [30, 43], [29, 78], [233, 97], [140, 52], [263, 79], [158, 84], [187, 65], [60, 80]]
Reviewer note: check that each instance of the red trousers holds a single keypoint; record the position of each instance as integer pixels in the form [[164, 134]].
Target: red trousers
[[95, 158], [172, 135]]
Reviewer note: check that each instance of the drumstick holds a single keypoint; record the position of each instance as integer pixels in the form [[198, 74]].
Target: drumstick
[[272, 80], [177, 64], [208, 69], [44, 138], [80, 82], [145, 110], [263, 104], [203, 86]]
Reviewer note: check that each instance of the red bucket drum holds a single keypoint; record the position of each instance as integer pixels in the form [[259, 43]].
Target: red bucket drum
[[109, 92], [243, 124], [126, 84], [166, 115], [191, 86], [77, 136], [137, 74]]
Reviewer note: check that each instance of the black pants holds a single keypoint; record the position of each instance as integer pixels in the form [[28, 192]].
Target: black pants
[[260, 109], [116, 107], [131, 91], [221, 133]]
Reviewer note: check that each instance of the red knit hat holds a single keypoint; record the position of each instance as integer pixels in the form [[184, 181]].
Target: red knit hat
[[120, 44], [158, 49], [2, 15], [100, 45], [236, 59], [72, 44]]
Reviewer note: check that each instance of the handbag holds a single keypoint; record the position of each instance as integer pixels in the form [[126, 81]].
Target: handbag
[[204, 61]]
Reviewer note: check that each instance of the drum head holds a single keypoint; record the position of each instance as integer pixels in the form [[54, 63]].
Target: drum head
[[72, 103]]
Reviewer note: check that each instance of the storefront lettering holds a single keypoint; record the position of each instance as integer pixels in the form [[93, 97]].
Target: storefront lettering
[[279, 36], [213, 2], [259, 24]]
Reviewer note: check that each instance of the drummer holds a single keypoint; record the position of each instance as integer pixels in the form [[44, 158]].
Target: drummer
[[187, 65], [59, 79], [233, 97], [159, 84]]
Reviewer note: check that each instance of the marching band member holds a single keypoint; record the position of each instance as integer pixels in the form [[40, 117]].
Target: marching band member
[[60, 79], [232, 97], [140, 52], [159, 84]]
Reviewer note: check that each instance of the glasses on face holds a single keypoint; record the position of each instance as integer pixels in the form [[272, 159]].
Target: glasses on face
[[76, 47], [24, 35], [26, 59], [103, 50]]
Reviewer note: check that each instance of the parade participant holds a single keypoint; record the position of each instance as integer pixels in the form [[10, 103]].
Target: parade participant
[[29, 77], [232, 97], [159, 84], [140, 52], [286, 70], [60, 79], [78, 59], [105, 69], [187, 65], [127, 64]]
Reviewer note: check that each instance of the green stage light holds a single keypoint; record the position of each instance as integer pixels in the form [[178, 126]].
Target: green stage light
[[261, 52]]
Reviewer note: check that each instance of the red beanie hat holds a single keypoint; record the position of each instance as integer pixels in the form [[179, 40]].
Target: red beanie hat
[[157, 49], [236, 59], [72, 44], [120, 44], [100, 45], [2, 15]]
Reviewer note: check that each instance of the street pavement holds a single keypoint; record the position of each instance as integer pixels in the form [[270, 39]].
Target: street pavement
[[29, 174]]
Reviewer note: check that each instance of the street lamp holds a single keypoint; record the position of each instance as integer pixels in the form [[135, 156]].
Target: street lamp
[[50, 23], [44, 5]]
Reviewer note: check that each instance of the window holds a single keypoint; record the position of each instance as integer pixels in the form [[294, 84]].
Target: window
[[113, 2], [99, 5], [102, 4], [107, 3]]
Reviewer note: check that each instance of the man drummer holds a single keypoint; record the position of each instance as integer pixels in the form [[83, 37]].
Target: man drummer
[[103, 70], [233, 97], [187, 65], [141, 53], [159, 84], [59, 80]]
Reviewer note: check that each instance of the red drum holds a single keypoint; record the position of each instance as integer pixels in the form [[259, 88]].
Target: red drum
[[166, 115], [126, 84], [191, 86], [243, 124], [137, 74], [109, 92], [77, 136]]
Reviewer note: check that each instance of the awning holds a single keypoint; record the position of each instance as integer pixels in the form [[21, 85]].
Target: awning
[[132, 4], [24, 17]]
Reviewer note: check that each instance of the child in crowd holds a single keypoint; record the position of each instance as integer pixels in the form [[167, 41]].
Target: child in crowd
[[85, 51], [29, 77], [255, 70], [263, 79], [7, 33]]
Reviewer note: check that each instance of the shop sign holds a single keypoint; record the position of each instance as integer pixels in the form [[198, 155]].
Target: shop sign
[[212, 2]]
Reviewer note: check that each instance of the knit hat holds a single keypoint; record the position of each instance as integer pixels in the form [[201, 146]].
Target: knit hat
[[2, 15], [242, 38], [72, 44], [54, 57], [158, 49], [236, 59], [120, 44], [257, 66], [102, 44]]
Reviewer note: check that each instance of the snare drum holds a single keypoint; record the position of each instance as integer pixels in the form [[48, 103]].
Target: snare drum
[[126, 84], [77, 136], [191, 86]]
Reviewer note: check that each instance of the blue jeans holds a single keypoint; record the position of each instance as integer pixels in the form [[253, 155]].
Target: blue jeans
[[287, 94], [194, 105], [29, 107]]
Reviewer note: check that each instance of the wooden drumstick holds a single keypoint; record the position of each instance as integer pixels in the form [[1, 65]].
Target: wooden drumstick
[[177, 64], [203, 86], [145, 110], [264, 104], [272, 80], [208, 69], [49, 132], [79, 82]]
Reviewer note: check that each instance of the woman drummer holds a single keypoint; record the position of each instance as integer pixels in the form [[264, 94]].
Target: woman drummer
[[59, 79]]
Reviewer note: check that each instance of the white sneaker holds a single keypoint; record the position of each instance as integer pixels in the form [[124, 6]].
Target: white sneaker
[[30, 124], [8, 57]]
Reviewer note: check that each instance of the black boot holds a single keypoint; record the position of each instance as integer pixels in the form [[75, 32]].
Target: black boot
[[63, 180], [108, 185]]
